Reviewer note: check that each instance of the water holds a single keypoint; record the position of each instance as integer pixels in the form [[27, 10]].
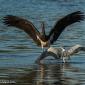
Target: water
[[18, 52]]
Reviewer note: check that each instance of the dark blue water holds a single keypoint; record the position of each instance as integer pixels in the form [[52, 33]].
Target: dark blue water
[[17, 50]]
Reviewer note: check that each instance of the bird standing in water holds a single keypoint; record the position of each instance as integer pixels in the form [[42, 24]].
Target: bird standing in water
[[41, 39]]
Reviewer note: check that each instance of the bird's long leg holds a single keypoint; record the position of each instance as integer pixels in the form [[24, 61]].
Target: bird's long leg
[[42, 47]]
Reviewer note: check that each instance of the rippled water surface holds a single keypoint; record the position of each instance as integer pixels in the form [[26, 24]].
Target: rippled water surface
[[18, 52]]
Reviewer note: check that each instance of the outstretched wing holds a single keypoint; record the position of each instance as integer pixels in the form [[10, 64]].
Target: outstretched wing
[[23, 24], [64, 22], [75, 49]]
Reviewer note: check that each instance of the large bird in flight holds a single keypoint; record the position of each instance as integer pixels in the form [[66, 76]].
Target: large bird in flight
[[41, 39]]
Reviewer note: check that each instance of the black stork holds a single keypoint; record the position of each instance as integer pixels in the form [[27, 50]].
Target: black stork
[[61, 53], [41, 39]]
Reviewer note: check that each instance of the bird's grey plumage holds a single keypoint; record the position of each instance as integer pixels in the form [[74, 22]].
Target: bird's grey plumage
[[61, 53]]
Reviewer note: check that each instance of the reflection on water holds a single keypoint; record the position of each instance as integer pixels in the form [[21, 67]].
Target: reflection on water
[[59, 74], [50, 74], [44, 74]]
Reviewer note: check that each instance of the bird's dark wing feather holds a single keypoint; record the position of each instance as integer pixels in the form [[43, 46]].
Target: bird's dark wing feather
[[62, 23], [23, 24]]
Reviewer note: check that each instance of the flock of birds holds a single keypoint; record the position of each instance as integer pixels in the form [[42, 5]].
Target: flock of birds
[[43, 40]]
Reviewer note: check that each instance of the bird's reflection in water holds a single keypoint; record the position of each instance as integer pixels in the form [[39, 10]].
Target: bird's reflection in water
[[54, 74], [46, 74], [49, 74]]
